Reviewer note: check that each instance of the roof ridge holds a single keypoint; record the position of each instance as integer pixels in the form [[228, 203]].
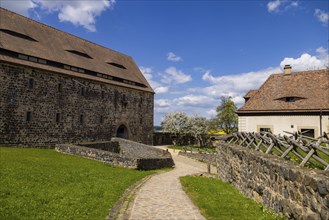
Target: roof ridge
[[303, 71], [66, 33]]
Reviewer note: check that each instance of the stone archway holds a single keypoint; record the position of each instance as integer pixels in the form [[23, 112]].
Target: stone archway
[[122, 132]]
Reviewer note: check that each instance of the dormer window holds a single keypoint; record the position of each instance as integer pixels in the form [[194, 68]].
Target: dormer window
[[16, 34], [290, 98], [117, 65], [79, 53]]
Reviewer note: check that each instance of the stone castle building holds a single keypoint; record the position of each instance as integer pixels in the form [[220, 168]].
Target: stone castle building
[[58, 88]]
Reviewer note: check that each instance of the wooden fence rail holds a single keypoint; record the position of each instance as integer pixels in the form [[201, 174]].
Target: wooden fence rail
[[307, 151]]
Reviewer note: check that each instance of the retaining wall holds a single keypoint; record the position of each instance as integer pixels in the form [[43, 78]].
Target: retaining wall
[[123, 153], [114, 159], [298, 193], [111, 146]]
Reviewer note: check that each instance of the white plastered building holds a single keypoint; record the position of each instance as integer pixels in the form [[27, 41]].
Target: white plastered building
[[289, 101]]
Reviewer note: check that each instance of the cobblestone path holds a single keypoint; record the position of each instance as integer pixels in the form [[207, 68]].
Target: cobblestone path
[[162, 196]]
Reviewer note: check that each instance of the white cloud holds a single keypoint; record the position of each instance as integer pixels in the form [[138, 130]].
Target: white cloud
[[21, 7], [161, 89], [273, 5], [211, 113], [235, 85], [162, 102], [173, 57], [200, 105], [294, 4], [307, 61], [322, 16], [276, 5], [187, 100], [195, 100], [80, 12], [157, 87], [172, 75]]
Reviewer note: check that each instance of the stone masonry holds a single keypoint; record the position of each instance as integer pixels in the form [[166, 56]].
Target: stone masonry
[[297, 192], [39, 107], [121, 152]]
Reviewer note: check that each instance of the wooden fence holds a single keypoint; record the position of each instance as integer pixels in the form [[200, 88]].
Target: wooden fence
[[307, 151]]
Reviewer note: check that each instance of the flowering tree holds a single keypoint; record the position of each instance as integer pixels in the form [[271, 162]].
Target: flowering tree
[[197, 127], [180, 125], [176, 124]]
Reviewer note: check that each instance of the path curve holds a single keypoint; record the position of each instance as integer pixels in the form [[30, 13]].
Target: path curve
[[162, 196]]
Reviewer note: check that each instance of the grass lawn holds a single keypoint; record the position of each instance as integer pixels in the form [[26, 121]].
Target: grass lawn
[[219, 200], [44, 184], [194, 148]]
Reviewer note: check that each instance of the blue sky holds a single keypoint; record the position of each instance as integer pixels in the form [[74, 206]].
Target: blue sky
[[194, 52]]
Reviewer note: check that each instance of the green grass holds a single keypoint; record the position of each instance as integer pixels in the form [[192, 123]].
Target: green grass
[[194, 148], [44, 184], [219, 200]]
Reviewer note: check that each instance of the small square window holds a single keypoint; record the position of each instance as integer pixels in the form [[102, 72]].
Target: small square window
[[81, 119], [31, 83], [265, 130], [23, 57], [60, 87], [74, 69], [33, 59], [308, 132], [42, 61], [82, 91], [58, 118], [28, 116]]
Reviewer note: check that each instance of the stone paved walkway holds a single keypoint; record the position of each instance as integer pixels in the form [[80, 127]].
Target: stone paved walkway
[[162, 196]]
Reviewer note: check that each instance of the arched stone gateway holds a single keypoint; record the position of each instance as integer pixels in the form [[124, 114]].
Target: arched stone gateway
[[122, 132]]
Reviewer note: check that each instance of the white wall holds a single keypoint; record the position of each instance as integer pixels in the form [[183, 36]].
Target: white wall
[[278, 124]]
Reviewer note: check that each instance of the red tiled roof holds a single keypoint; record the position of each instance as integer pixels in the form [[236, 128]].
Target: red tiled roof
[[305, 91], [250, 94]]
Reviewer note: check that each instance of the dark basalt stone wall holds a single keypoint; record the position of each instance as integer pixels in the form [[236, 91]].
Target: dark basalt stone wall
[[120, 152], [297, 192], [44, 108]]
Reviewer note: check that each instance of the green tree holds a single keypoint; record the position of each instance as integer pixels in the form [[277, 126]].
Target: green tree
[[226, 118]]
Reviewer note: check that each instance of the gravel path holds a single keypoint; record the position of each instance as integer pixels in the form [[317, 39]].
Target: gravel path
[[162, 196]]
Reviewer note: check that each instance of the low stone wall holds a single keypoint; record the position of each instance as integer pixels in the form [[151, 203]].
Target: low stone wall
[[111, 146], [154, 163], [137, 150], [114, 159], [298, 193], [206, 158], [123, 153]]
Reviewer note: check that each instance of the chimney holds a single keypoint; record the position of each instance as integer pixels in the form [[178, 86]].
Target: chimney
[[287, 69]]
